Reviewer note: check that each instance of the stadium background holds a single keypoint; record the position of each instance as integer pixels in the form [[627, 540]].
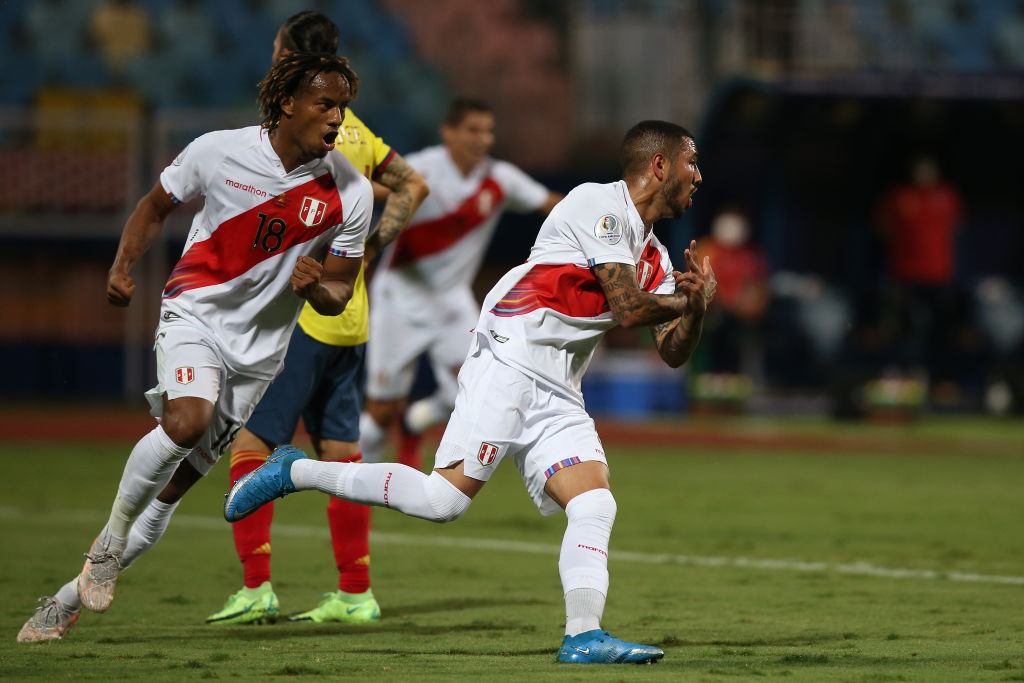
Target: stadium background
[[805, 111]]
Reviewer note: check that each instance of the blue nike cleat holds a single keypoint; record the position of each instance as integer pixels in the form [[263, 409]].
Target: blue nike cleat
[[271, 480], [597, 647]]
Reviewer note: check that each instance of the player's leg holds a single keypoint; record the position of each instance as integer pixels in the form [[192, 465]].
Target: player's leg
[[485, 423], [55, 617], [392, 351], [189, 383], [579, 485], [273, 421], [332, 420], [447, 352]]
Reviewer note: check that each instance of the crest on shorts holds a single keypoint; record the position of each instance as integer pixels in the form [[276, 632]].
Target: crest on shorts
[[184, 375], [608, 229], [312, 211], [487, 453]]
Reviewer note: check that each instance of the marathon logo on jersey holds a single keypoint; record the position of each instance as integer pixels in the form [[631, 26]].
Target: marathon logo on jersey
[[608, 229], [184, 375], [312, 212], [487, 453]]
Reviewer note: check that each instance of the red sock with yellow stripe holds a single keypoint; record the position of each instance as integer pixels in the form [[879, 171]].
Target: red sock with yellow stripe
[[350, 531], [252, 534]]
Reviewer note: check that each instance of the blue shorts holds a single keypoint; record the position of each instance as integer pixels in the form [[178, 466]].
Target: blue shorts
[[323, 384]]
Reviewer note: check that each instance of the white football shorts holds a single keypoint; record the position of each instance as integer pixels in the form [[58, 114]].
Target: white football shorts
[[403, 326], [502, 412], [188, 364]]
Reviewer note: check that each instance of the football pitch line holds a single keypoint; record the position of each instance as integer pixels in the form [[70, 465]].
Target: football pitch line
[[198, 522]]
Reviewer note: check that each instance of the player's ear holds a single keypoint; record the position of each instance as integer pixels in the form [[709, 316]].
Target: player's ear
[[288, 105], [659, 166]]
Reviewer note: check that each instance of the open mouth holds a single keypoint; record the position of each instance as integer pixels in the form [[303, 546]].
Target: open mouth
[[329, 140]]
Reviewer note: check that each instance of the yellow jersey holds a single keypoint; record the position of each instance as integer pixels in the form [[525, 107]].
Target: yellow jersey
[[370, 155]]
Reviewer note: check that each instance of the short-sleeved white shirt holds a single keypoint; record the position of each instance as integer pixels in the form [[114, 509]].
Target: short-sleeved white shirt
[[546, 316], [445, 241], [233, 279]]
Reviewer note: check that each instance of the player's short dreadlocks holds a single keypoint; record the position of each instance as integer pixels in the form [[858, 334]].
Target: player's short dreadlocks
[[294, 70]]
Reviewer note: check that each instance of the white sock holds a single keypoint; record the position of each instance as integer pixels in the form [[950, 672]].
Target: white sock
[[583, 610], [373, 439], [427, 412], [147, 530], [583, 560], [384, 484], [68, 595], [149, 468]]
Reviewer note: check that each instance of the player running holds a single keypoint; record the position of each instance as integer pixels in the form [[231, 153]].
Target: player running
[[595, 263], [423, 301], [283, 222], [322, 382]]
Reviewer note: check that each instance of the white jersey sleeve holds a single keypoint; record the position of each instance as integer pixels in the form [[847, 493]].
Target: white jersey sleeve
[[350, 243], [188, 175], [592, 223], [524, 194]]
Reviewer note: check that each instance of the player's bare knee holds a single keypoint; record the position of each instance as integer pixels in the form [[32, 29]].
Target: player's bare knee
[[446, 500], [186, 420]]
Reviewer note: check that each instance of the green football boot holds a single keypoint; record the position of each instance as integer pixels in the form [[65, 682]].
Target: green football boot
[[248, 606], [347, 608]]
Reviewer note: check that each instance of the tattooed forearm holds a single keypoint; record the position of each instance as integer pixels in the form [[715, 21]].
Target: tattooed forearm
[[677, 339], [408, 190], [630, 305]]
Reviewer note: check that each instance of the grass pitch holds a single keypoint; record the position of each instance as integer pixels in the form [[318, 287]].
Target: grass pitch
[[862, 554]]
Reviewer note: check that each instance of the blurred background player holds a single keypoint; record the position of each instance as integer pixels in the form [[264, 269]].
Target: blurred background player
[[422, 289], [250, 256], [322, 381], [595, 264]]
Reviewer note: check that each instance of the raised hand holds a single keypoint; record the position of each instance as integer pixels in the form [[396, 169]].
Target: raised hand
[[698, 282]]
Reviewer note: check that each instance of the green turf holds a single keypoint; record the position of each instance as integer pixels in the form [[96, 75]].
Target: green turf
[[692, 570]]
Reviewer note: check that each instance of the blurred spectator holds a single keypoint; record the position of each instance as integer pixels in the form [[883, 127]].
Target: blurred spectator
[[733, 325], [120, 29], [918, 220]]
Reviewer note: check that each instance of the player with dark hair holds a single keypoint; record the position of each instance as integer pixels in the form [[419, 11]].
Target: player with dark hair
[[322, 382], [424, 302], [283, 223], [595, 263]]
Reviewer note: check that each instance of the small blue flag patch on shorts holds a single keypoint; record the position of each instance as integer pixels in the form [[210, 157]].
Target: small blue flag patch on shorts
[[338, 252]]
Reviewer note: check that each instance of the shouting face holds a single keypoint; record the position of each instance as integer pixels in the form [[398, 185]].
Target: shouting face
[[313, 115]]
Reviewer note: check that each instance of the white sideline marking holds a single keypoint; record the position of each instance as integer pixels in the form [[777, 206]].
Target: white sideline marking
[[306, 531]]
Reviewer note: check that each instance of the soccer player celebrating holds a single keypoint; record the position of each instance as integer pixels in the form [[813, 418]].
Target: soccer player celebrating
[[322, 381], [283, 223], [595, 263], [423, 301]]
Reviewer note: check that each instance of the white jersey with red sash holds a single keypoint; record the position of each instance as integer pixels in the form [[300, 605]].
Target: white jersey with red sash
[[232, 282], [443, 245], [547, 316]]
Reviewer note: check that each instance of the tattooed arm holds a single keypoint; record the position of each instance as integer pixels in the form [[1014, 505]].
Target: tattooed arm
[[677, 319], [408, 190]]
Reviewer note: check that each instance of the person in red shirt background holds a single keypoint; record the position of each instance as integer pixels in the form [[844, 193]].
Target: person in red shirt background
[[918, 221], [733, 325]]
